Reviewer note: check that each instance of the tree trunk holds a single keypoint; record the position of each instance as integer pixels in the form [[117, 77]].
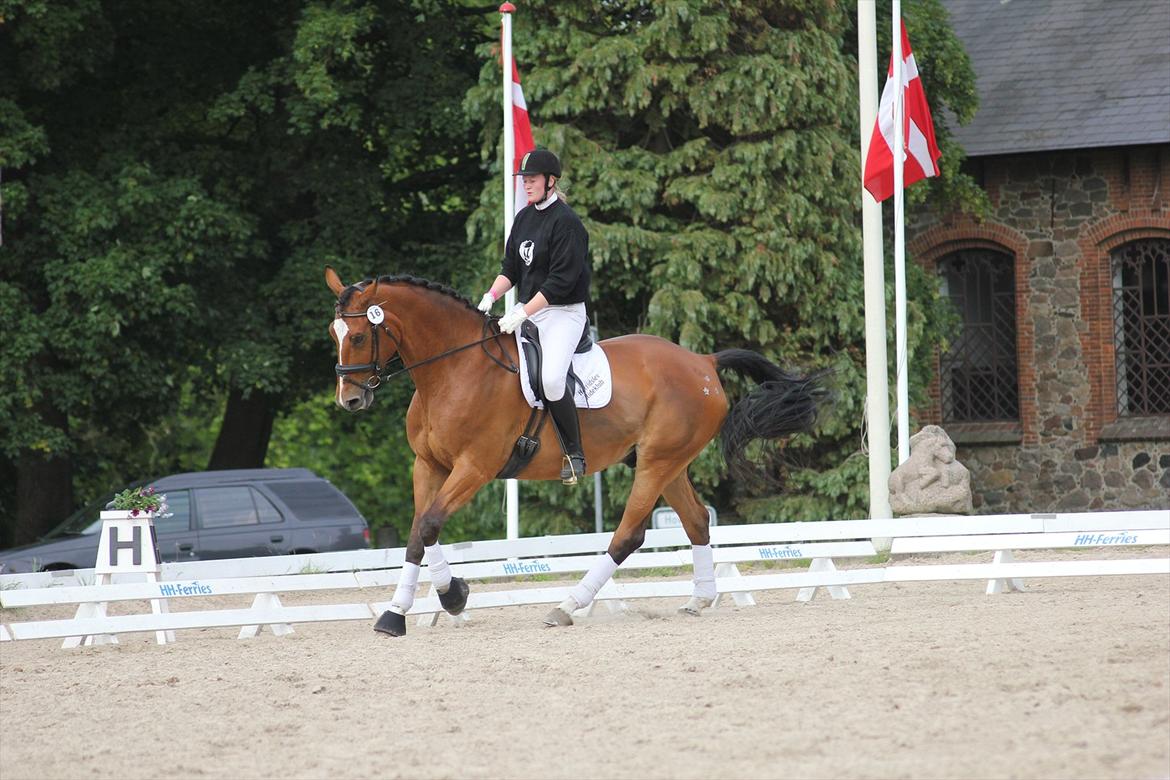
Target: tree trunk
[[243, 437], [44, 494]]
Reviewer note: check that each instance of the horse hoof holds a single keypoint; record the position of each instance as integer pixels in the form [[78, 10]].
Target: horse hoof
[[391, 624], [455, 599], [695, 606], [558, 617]]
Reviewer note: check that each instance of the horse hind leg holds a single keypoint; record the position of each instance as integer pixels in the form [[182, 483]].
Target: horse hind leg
[[683, 499], [628, 537]]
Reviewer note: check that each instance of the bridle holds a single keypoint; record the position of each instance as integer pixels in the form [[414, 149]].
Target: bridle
[[380, 373]]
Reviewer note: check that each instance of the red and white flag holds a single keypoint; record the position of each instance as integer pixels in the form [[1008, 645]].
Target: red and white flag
[[921, 152], [521, 136]]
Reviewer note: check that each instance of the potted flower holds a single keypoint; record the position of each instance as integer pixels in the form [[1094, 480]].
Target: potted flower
[[136, 502]]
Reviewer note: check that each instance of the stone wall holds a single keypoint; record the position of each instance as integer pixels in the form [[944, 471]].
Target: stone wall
[[1052, 478], [1060, 215]]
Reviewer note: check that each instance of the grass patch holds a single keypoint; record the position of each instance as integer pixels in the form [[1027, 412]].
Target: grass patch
[[776, 563], [654, 571]]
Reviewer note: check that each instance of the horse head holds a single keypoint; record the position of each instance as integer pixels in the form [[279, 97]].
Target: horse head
[[365, 342]]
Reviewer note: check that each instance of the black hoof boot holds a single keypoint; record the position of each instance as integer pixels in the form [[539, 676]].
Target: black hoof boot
[[391, 624], [455, 599]]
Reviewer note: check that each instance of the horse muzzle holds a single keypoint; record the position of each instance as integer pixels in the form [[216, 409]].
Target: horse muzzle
[[358, 401]]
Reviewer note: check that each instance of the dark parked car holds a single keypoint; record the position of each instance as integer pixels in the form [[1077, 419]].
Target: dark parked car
[[217, 514]]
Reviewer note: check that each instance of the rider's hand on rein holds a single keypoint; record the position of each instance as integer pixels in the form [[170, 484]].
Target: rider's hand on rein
[[485, 303], [510, 321]]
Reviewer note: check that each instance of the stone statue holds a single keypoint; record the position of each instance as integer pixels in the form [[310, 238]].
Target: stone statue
[[931, 481]]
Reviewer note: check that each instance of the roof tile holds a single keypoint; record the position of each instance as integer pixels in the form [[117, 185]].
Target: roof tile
[[1065, 74]]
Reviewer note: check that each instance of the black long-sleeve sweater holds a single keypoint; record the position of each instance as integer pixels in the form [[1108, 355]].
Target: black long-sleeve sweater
[[548, 252]]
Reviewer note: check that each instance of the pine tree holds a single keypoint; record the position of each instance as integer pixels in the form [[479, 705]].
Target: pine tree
[[712, 151]]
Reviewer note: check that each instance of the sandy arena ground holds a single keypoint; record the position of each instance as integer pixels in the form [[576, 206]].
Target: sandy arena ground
[[1068, 680]]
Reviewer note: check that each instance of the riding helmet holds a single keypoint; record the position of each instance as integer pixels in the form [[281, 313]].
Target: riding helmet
[[540, 161]]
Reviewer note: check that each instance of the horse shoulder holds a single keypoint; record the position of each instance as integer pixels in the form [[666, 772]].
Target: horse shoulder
[[416, 423]]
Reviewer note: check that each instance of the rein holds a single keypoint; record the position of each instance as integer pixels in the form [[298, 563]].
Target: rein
[[382, 373]]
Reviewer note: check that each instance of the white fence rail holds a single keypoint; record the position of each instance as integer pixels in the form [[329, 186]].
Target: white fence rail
[[531, 558]]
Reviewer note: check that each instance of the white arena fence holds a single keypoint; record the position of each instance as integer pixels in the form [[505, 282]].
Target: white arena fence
[[548, 557]]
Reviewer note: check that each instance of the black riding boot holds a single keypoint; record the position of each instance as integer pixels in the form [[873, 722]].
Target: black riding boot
[[564, 414]]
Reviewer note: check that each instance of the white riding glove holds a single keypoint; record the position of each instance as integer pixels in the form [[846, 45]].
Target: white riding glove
[[485, 303], [510, 321]]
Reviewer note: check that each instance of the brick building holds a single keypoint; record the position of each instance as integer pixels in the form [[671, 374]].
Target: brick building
[[1057, 387]]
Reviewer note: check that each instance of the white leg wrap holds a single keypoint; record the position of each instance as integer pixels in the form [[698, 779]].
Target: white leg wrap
[[704, 572], [404, 594], [598, 574], [440, 570]]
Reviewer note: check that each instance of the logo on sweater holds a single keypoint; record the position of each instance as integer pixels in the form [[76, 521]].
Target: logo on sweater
[[526, 250]]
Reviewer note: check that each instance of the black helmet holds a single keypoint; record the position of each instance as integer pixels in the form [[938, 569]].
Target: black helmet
[[540, 161]]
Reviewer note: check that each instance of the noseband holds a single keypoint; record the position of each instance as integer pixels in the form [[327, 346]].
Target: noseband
[[381, 373], [378, 372]]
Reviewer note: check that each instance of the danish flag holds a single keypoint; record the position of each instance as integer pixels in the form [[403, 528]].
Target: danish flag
[[921, 153], [521, 136]]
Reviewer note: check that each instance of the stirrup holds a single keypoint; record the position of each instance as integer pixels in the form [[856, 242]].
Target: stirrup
[[573, 467]]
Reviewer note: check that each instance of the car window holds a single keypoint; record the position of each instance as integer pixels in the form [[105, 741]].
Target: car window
[[268, 513], [179, 513], [315, 500], [226, 506]]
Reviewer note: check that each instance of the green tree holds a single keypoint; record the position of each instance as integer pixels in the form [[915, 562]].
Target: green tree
[[711, 149], [175, 178]]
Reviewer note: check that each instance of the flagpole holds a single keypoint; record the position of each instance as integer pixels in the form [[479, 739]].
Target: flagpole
[[877, 367], [512, 486], [899, 154]]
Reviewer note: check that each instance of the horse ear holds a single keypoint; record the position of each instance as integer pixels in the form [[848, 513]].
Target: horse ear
[[334, 281]]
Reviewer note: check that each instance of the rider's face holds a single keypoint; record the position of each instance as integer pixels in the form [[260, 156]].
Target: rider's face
[[534, 186]]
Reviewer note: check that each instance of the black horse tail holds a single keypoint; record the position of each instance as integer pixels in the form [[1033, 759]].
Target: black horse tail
[[782, 405]]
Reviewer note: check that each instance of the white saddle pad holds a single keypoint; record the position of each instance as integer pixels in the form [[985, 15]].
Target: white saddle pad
[[591, 367]]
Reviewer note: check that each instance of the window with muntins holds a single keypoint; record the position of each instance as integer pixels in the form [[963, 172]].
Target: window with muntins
[[979, 376], [1141, 326]]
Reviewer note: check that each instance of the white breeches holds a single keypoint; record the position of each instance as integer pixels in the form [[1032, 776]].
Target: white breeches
[[560, 331]]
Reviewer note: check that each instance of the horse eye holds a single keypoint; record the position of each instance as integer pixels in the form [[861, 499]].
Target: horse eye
[[358, 339]]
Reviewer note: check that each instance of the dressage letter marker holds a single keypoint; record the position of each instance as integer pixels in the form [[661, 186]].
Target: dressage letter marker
[[116, 545], [127, 545]]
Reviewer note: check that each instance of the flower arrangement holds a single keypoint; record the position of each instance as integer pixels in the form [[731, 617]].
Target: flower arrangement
[[139, 500]]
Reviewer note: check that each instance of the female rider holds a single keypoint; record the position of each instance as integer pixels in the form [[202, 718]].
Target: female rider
[[546, 259]]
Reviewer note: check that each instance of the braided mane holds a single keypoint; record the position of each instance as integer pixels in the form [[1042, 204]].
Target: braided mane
[[413, 281]]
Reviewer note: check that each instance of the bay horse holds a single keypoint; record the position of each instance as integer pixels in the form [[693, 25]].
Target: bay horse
[[468, 410]]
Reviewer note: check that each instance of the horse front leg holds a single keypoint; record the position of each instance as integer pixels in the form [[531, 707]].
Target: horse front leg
[[438, 495]]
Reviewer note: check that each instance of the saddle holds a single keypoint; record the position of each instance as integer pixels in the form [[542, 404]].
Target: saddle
[[528, 444], [533, 358]]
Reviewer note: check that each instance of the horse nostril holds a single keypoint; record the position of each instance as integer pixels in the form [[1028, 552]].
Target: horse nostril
[[353, 404]]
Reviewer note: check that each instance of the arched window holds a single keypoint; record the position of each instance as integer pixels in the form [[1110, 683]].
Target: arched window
[[979, 372], [1141, 326]]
